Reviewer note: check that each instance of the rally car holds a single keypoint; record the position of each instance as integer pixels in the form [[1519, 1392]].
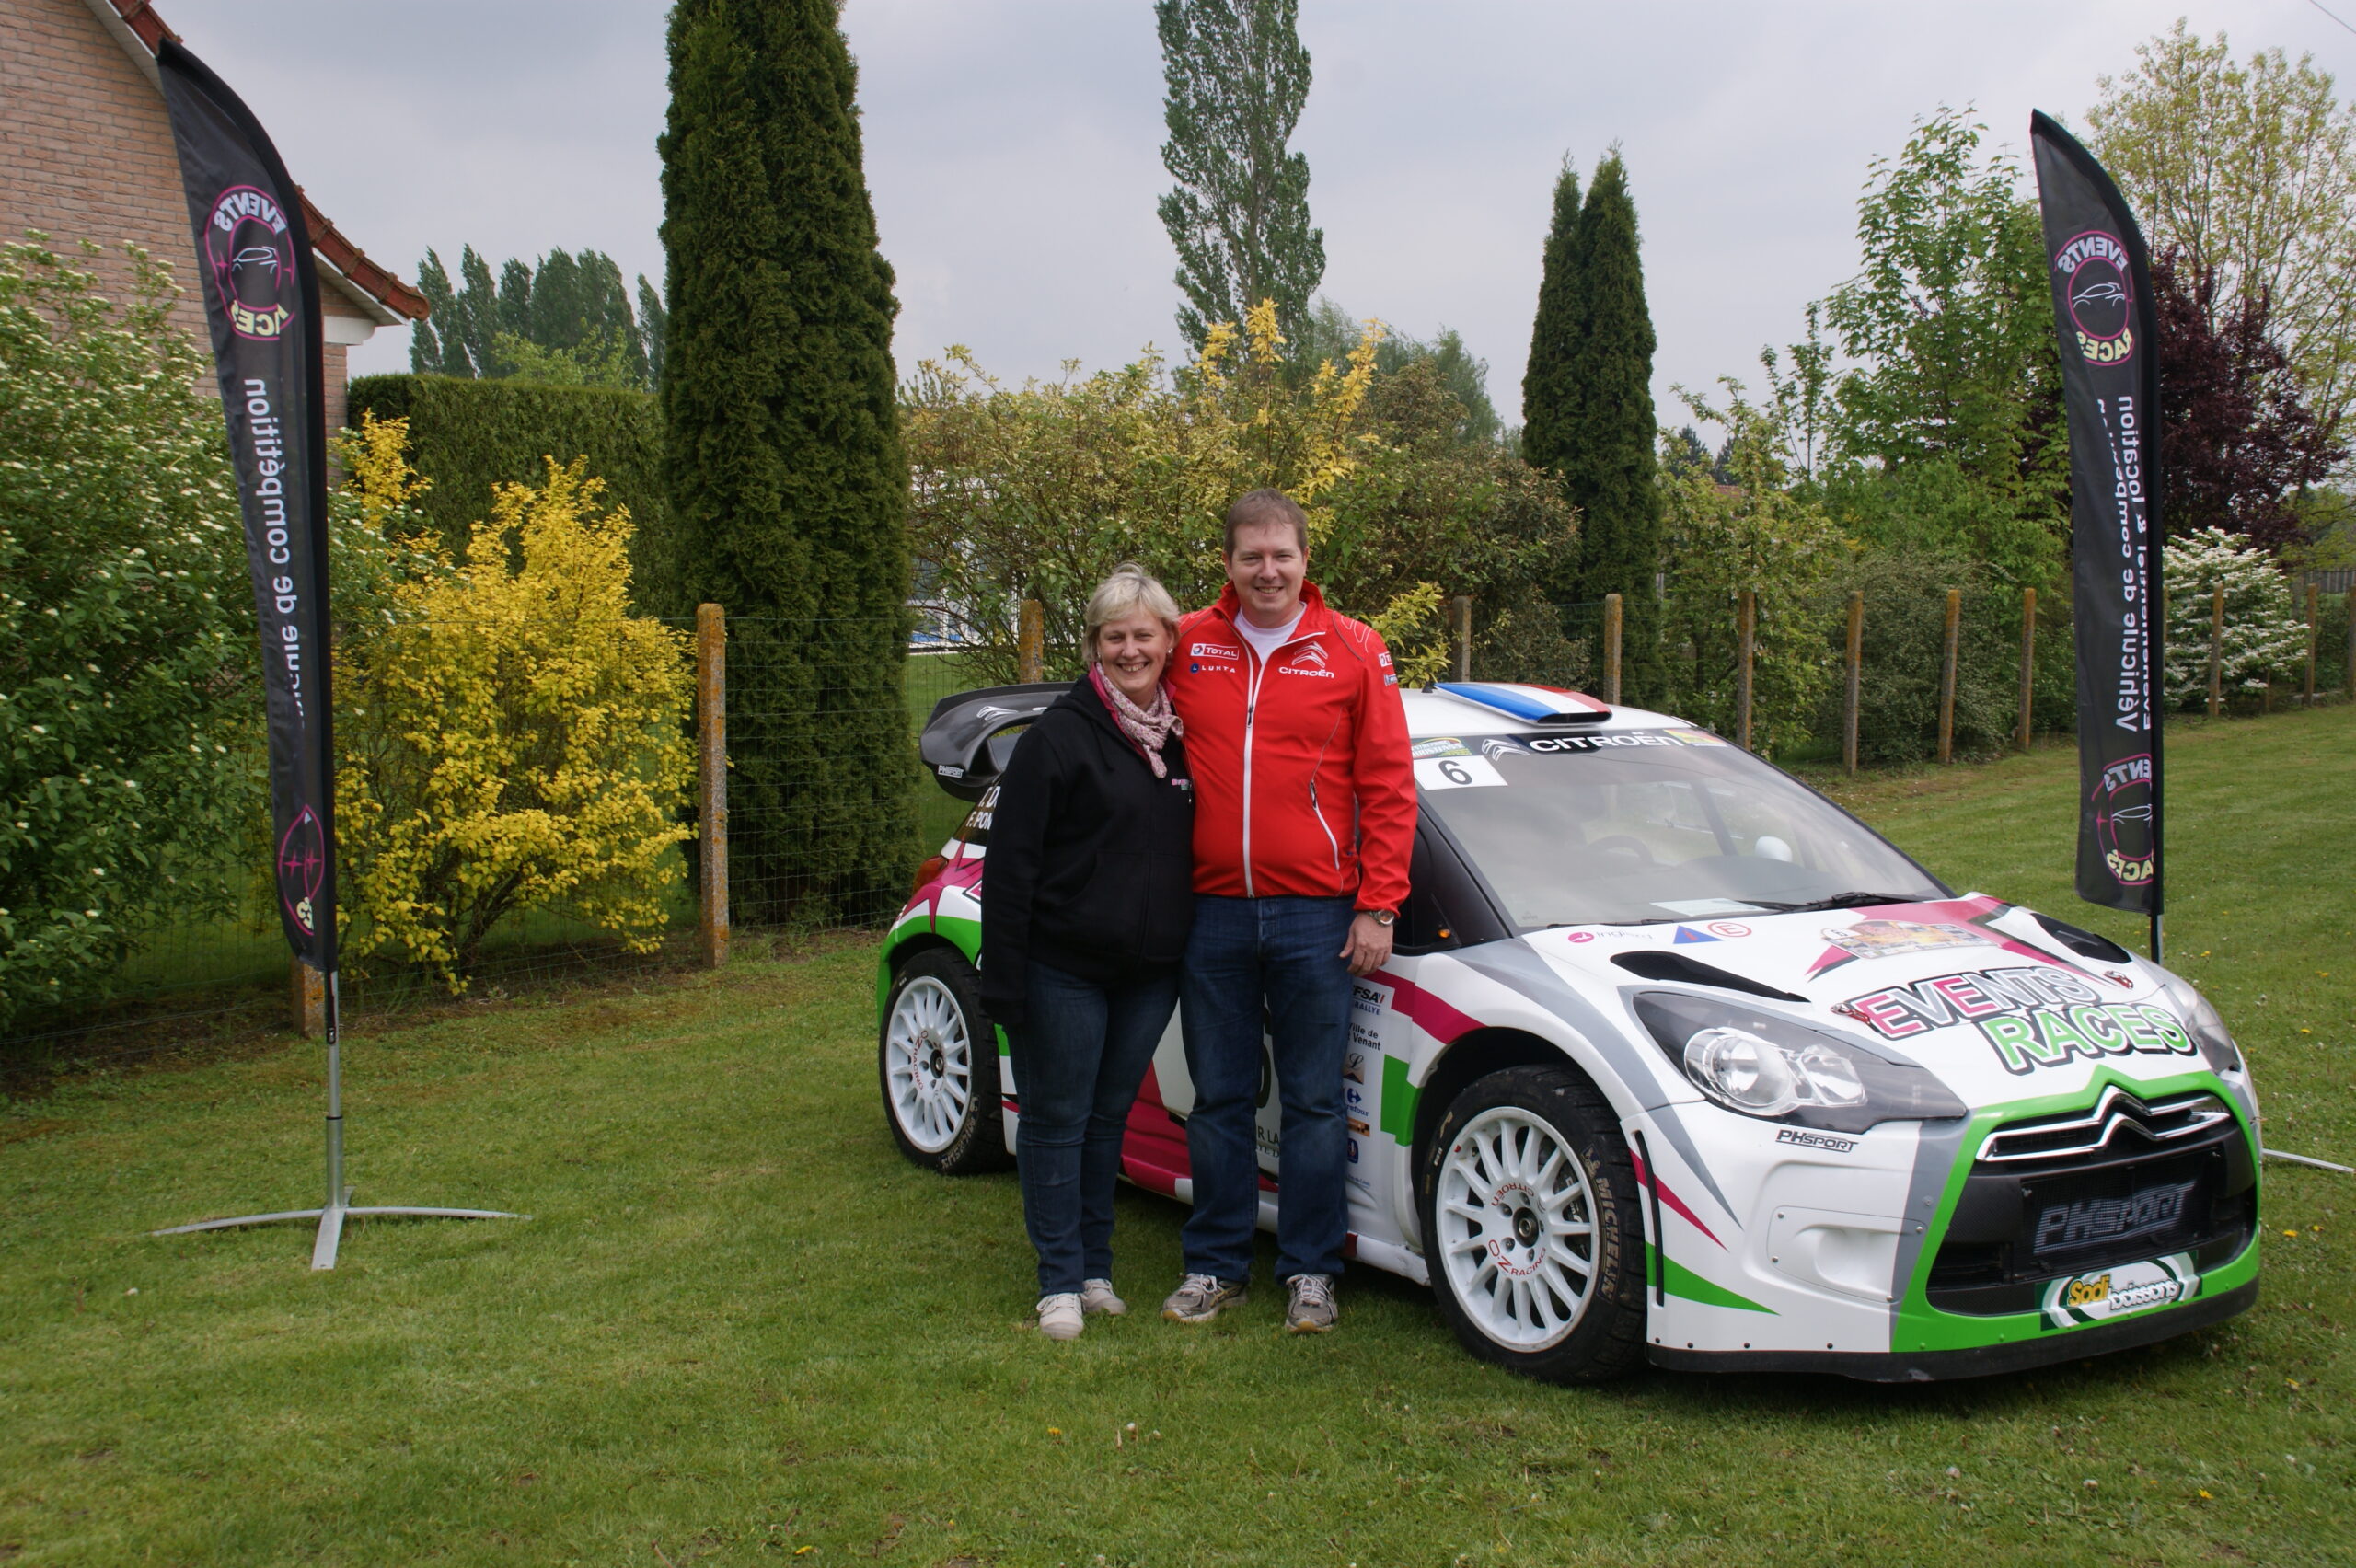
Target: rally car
[[1677, 1061]]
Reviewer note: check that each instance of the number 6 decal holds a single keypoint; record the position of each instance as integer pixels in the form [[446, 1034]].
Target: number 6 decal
[[1457, 773]]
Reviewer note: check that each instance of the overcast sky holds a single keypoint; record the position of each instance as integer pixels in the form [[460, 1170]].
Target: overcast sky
[[1013, 145]]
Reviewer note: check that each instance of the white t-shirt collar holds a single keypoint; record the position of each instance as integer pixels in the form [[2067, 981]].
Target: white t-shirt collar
[[1266, 641]]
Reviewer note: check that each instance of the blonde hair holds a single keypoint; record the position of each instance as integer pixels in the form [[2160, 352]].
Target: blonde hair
[[1123, 594]]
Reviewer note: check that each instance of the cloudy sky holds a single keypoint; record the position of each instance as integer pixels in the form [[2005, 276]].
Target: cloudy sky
[[1013, 145]]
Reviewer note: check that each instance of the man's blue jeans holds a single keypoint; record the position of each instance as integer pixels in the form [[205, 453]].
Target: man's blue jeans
[[1282, 955], [1078, 1058]]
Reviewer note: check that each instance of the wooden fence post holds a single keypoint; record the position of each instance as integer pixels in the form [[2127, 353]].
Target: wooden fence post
[[2029, 658], [1612, 649], [1031, 644], [2216, 651], [308, 993], [1463, 636], [1951, 644], [712, 779], [2315, 624], [1854, 662], [1746, 638]]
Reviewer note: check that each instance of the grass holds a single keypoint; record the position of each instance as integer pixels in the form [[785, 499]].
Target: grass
[[740, 1330]]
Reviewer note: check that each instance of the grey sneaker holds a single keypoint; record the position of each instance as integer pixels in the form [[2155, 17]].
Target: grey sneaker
[[1312, 1310], [1097, 1296], [1200, 1298], [1059, 1317]]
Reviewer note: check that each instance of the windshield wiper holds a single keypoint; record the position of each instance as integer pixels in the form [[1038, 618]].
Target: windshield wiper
[[1839, 901]]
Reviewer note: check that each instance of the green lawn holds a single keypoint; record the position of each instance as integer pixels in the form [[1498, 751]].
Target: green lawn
[[741, 1330]]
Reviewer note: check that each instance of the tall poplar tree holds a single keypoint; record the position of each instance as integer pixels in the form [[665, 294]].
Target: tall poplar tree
[[1606, 457], [789, 493], [1236, 77]]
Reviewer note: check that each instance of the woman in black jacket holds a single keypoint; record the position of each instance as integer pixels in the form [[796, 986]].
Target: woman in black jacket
[[1085, 904]]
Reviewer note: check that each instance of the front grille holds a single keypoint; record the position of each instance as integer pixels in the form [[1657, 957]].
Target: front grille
[[2117, 1121], [2121, 1182]]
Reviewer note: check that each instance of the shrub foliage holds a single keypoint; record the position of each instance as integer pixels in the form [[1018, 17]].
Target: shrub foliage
[[128, 693], [465, 437], [511, 736]]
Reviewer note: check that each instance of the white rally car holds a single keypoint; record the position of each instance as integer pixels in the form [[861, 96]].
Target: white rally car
[[1677, 1061]]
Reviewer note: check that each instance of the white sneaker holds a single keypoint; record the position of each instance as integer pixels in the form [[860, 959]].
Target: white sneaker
[[1059, 1317], [1096, 1295]]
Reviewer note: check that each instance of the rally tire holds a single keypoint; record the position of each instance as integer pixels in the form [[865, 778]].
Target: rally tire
[[936, 1060], [1531, 1228]]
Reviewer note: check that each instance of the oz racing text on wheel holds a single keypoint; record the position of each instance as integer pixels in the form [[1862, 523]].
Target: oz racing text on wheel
[[1531, 1226], [937, 1058]]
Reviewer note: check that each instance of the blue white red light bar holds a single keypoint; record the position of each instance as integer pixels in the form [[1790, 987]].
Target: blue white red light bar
[[1536, 704]]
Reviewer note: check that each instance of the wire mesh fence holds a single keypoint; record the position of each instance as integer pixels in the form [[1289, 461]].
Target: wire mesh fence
[[828, 812], [828, 809]]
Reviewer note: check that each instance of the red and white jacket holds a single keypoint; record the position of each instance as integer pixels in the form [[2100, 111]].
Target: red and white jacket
[[1304, 785]]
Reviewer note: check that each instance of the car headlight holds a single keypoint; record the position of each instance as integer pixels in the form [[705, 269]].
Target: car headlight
[[2200, 1021], [1769, 1067]]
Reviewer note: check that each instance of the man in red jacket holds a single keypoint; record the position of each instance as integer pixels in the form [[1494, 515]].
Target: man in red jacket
[[1304, 825]]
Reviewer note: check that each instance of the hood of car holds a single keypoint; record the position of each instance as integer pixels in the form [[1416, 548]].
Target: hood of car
[[1974, 990]]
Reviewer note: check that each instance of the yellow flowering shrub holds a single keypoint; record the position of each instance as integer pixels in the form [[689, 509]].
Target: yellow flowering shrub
[[1037, 491], [510, 736]]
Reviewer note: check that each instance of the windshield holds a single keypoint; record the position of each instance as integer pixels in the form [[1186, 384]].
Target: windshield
[[1656, 825]]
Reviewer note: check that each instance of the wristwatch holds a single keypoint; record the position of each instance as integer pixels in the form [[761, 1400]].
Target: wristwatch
[[1381, 916]]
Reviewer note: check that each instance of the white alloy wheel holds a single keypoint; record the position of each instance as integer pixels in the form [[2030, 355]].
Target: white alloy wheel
[[1516, 1223], [929, 1063]]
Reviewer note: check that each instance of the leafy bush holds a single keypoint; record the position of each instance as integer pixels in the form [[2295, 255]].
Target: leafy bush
[[1903, 647], [467, 437], [511, 737], [128, 702], [1756, 533], [2263, 636], [1037, 491]]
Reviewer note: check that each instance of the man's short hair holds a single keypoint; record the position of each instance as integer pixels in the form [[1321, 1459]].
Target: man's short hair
[[1265, 508]]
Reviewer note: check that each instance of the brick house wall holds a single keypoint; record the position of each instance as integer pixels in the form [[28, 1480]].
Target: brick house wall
[[85, 153]]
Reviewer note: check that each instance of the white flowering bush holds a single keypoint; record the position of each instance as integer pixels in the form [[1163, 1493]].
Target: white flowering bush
[[2264, 632], [128, 692]]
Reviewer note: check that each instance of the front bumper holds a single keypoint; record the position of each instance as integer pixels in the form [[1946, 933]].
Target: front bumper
[[2024, 1235], [1978, 1361]]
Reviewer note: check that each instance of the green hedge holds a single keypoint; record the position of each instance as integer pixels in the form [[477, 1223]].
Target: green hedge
[[467, 436]]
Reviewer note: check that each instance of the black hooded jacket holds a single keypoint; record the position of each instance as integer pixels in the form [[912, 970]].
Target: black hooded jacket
[[1090, 868]]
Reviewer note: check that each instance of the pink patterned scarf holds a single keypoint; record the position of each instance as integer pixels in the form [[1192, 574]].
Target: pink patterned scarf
[[1148, 726]]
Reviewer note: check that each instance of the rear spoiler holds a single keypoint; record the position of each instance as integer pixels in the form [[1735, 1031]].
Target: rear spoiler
[[970, 736]]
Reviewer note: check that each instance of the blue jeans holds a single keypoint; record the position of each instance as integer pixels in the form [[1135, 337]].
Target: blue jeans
[[1283, 954], [1077, 1061]]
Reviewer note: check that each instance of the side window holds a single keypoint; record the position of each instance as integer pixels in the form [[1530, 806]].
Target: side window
[[1422, 925]]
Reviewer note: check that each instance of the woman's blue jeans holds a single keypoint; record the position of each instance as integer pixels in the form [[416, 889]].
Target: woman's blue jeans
[[1078, 1058]]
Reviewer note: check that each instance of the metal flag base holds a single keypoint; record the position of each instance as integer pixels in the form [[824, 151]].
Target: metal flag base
[[338, 1205], [331, 1220]]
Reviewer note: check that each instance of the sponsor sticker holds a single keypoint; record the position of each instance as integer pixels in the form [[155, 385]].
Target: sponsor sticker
[[2101, 1295], [1354, 1067], [2031, 1017], [2147, 1211], [1888, 938], [1807, 1139], [1439, 746]]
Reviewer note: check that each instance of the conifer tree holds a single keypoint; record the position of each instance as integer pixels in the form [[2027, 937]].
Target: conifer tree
[[1550, 383], [1607, 458], [1236, 78], [789, 492]]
